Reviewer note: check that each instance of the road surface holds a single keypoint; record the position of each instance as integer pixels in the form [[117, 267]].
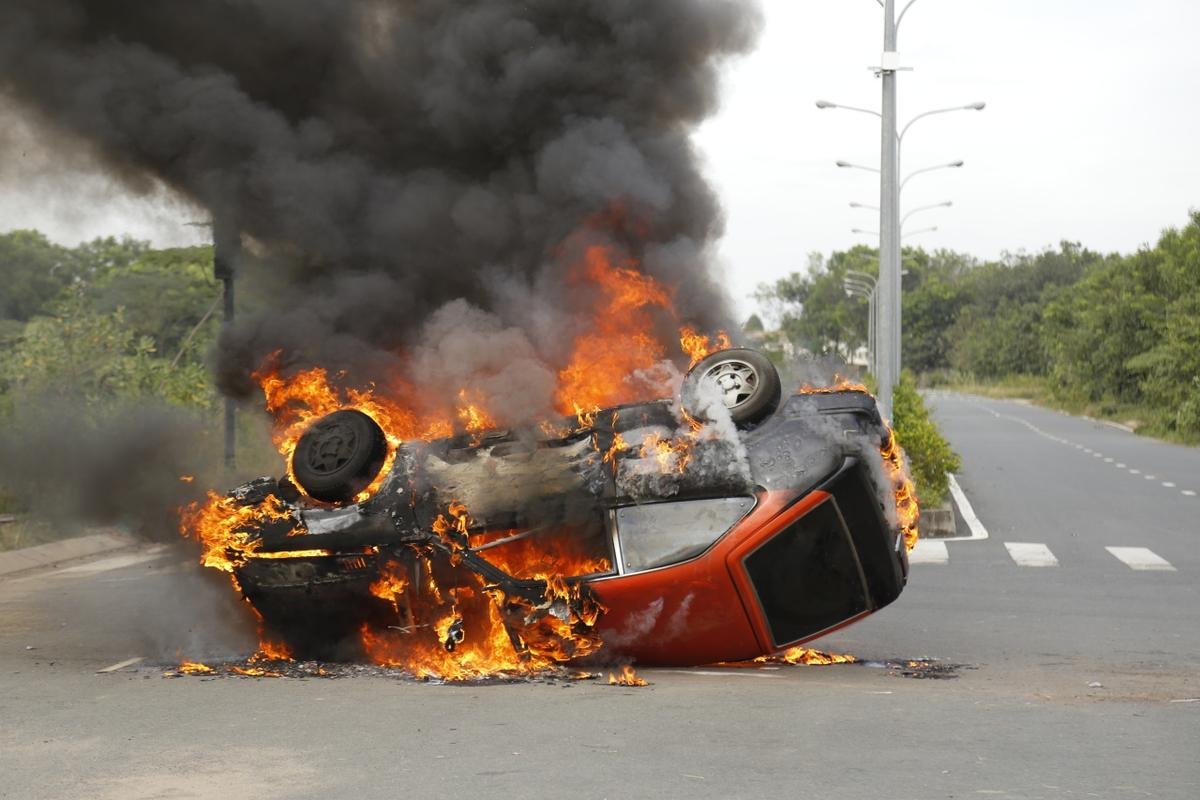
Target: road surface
[[1080, 676]]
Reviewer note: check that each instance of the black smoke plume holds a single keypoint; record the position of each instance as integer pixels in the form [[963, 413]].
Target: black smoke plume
[[382, 158]]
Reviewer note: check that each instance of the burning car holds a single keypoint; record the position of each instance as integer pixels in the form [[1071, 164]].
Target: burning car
[[725, 524]]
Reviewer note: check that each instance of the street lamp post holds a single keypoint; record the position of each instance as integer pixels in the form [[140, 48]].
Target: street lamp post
[[225, 248], [868, 283], [888, 357], [860, 290], [943, 204], [889, 324]]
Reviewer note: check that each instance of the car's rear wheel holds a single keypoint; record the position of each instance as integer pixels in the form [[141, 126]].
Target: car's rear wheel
[[339, 456], [745, 381]]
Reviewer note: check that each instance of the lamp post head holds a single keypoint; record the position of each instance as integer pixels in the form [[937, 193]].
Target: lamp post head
[[842, 163], [958, 163], [976, 107], [825, 104]]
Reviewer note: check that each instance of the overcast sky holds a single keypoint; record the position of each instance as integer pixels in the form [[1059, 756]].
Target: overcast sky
[[1093, 109], [1090, 130]]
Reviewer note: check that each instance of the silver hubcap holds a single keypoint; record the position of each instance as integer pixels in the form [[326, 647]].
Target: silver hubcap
[[737, 381]]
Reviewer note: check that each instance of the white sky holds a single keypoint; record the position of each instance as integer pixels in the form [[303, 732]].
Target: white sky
[[1090, 131]]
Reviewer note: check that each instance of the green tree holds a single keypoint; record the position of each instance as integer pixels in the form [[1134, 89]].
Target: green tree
[[815, 310], [34, 270]]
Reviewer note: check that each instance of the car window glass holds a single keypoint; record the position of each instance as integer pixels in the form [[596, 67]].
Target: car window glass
[[656, 534]]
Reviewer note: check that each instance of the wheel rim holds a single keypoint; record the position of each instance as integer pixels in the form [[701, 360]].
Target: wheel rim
[[332, 448], [736, 380]]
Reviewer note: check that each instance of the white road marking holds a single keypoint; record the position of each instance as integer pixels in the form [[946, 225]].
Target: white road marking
[[129, 662], [968, 513], [929, 551], [1141, 558], [1077, 446], [1031, 554], [741, 673], [113, 562]]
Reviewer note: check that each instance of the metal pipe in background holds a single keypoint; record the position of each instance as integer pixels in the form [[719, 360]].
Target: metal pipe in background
[[225, 249], [888, 332]]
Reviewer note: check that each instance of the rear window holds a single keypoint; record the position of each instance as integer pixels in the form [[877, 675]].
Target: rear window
[[807, 577]]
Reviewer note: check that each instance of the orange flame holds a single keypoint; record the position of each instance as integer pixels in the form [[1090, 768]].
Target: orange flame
[[672, 455], [807, 656], [220, 525], [269, 650], [193, 668], [626, 677], [698, 346], [620, 340], [908, 511]]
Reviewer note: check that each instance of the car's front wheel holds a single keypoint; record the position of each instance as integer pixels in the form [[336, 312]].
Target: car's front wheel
[[744, 381], [339, 456]]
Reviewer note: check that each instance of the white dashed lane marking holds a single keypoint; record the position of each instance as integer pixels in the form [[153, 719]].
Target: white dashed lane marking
[[929, 551], [1037, 554], [1141, 558], [1031, 554], [1093, 453]]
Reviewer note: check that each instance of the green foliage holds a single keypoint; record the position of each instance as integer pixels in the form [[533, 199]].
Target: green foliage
[[97, 357], [164, 294], [33, 271], [929, 454], [817, 313], [108, 321], [1095, 333]]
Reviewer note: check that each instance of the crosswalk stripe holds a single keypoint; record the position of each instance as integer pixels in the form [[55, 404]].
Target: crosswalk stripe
[[929, 551], [1140, 558], [1031, 554]]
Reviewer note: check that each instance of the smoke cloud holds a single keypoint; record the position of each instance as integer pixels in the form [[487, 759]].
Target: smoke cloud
[[381, 159], [122, 466]]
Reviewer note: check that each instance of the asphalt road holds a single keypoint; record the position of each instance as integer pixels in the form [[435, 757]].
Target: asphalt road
[[1080, 679]]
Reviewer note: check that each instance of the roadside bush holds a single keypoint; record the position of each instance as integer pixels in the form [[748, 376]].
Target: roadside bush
[[929, 454]]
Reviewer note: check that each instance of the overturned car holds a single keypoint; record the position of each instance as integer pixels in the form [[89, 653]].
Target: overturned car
[[726, 524]]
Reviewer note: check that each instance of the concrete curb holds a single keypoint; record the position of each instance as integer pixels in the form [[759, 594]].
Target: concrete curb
[[937, 523], [51, 553]]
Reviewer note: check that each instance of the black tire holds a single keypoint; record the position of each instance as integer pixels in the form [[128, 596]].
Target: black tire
[[339, 456], [747, 380]]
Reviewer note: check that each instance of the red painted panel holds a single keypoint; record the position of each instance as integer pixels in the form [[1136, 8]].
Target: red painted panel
[[692, 613]]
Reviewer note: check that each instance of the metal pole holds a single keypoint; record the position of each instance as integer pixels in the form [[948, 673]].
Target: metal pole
[[871, 331], [888, 356], [223, 259]]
